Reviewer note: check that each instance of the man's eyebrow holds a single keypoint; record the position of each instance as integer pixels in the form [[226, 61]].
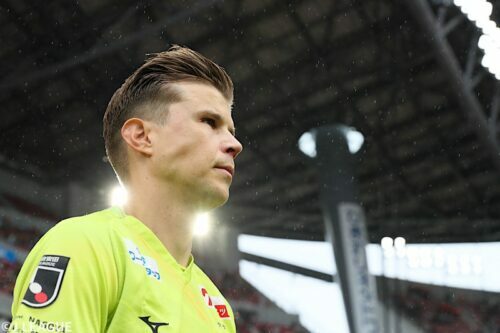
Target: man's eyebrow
[[219, 118]]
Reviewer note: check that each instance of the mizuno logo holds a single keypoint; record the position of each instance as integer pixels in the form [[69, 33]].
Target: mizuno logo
[[154, 326]]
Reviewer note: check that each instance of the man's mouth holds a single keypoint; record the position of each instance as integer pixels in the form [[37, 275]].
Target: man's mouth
[[228, 168]]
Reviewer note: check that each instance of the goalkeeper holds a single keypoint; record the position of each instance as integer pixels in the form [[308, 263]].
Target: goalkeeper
[[170, 139]]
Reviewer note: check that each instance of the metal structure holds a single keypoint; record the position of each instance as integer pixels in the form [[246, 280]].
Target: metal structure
[[461, 81]]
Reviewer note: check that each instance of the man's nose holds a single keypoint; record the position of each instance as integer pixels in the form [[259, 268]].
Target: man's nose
[[233, 147]]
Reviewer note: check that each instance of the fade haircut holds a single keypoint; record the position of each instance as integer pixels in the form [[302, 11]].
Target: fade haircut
[[146, 93]]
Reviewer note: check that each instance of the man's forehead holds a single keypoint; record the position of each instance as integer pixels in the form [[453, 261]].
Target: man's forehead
[[192, 89], [199, 92]]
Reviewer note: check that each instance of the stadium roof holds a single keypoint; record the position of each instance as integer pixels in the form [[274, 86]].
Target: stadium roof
[[429, 169]]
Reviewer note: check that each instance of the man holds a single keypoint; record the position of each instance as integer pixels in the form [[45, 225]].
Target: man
[[170, 138]]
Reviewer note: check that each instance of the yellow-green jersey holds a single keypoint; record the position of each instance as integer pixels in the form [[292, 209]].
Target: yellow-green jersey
[[108, 272]]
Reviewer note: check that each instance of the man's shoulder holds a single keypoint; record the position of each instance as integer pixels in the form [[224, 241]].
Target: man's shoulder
[[94, 226], [100, 220], [80, 236]]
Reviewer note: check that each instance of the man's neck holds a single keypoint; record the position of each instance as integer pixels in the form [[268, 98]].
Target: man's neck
[[167, 215]]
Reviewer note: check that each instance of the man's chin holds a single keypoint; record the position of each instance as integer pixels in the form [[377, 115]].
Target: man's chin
[[215, 198]]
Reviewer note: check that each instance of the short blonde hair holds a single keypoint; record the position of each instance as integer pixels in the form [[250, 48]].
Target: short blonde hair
[[149, 87]]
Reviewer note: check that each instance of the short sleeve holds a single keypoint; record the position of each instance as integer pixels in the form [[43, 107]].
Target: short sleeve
[[68, 282]]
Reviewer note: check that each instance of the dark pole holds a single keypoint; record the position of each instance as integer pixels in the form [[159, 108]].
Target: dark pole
[[345, 227]]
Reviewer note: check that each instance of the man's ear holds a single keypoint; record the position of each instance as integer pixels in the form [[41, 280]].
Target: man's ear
[[136, 133]]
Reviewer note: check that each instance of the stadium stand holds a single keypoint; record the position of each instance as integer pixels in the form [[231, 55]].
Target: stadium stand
[[8, 273], [440, 310], [24, 238]]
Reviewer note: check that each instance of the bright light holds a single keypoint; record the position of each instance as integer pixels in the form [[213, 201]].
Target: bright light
[[439, 258], [317, 256], [307, 141], [386, 243], [307, 144], [431, 263], [118, 196], [484, 42], [399, 243], [477, 265], [479, 12], [355, 140], [400, 246], [202, 225]]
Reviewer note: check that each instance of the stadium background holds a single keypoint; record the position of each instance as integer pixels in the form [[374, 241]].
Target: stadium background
[[411, 76]]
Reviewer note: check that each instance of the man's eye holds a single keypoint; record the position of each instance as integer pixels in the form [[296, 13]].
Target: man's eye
[[209, 121]]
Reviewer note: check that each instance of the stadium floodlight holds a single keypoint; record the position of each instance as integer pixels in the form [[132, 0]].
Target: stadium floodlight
[[485, 42], [202, 225], [399, 242], [487, 25], [355, 140], [118, 196], [386, 243], [487, 61], [307, 141], [400, 246], [479, 12]]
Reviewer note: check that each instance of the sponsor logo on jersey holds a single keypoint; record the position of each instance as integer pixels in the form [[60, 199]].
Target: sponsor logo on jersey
[[154, 326], [46, 283], [215, 302], [221, 307], [206, 296], [149, 264]]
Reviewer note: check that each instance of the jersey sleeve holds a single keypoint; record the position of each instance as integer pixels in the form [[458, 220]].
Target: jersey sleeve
[[68, 283]]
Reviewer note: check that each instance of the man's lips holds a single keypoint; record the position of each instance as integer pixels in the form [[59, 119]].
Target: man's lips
[[228, 168]]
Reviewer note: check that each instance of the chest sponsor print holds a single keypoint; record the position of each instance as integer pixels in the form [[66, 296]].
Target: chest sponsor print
[[216, 302], [150, 265]]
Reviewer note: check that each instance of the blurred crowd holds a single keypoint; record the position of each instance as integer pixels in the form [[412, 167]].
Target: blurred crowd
[[235, 288], [8, 274], [24, 238], [450, 312]]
